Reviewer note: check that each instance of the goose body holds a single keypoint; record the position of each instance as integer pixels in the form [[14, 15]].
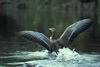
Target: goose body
[[64, 40]]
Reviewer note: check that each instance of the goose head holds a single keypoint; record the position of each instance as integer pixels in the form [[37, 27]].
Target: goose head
[[52, 30]]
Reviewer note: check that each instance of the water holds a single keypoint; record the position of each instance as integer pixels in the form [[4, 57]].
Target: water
[[65, 58]]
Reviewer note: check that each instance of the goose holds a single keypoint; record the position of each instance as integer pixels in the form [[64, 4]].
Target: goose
[[65, 40]]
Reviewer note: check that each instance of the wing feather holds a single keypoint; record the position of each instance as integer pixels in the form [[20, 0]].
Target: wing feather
[[36, 37], [73, 30]]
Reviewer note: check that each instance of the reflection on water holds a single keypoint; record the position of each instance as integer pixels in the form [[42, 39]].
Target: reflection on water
[[65, 58]]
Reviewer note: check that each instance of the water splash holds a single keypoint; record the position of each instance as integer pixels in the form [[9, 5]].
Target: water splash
[[67, 54], [65, 58]]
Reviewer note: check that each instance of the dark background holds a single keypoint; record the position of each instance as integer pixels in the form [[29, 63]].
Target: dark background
[[39, 15]]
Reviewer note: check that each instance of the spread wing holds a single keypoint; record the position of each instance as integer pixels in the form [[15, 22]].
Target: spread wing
[[36, 37], [73, 30]]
